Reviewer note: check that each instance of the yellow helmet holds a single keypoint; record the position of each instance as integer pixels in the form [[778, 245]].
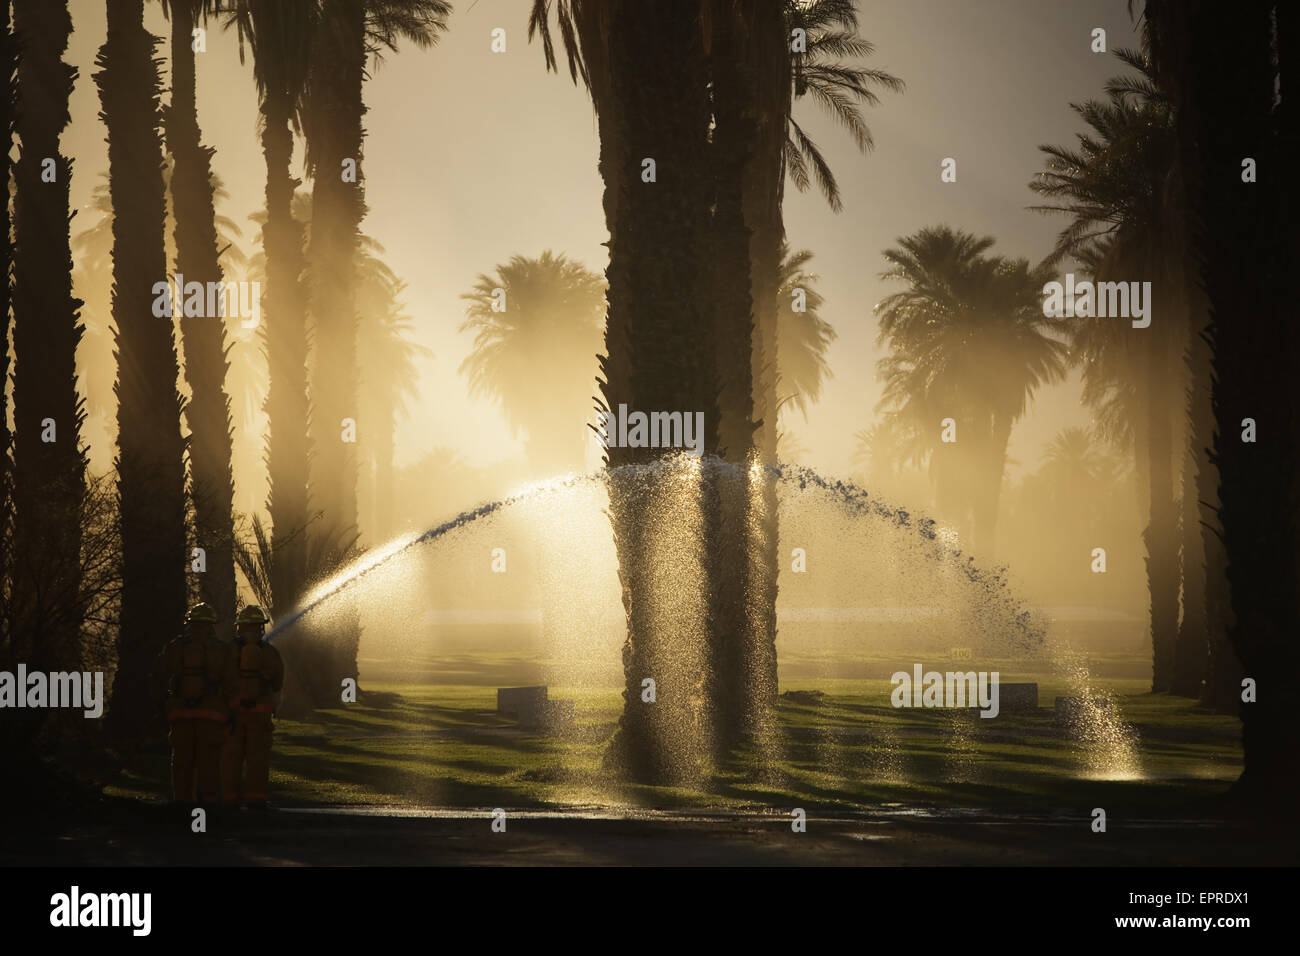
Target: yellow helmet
[[201, 614], [252, 614]]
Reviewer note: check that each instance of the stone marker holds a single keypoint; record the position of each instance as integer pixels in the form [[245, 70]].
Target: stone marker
[[525, 704], [1018, 697]]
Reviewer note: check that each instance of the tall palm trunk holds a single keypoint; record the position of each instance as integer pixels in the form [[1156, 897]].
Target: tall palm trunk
[[1208, 595], [1246, 230], [151, 470], [286, 353], [740, 696], [1223, 673], [212, 485], [1161, 535], [1201, 634], [1190, 651], [334, 136], [763, 190], [656, 281], [49, 461]]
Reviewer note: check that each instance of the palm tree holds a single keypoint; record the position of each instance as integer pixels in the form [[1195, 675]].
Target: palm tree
[[279, 36], [204, 337], [968, 342], [537, 358], [1223, 81], [92, 281], [826, 74], [151, 468], [586, 27], [1119, 187], [738, 690], [49, 475], [347, 32], [773, 76], [1203, 637], [332, 123], [658, 302], [1078, 468]]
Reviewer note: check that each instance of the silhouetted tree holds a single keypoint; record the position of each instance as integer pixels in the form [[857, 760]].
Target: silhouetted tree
[[151, 469], [657, 306], [212, 486], [1205, 597], [1225, 77], [49, 460], [279, 36], [824, 72], [536, 357], [92, 281], [1121, 188], [347, 31], [968, 342]]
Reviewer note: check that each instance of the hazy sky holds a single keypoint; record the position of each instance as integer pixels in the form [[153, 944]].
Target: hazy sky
[[472, 157]]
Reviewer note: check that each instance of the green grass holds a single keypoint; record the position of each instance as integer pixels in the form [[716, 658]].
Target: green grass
[[443, 745]]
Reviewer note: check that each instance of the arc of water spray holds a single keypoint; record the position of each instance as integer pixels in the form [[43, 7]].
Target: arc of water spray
[[854, 497], [372, 560]]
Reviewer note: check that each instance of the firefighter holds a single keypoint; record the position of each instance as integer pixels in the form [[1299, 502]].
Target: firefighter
[[195, 665], [255, 677]]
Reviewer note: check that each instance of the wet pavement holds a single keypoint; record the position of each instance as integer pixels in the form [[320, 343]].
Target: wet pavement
[[885, 836]]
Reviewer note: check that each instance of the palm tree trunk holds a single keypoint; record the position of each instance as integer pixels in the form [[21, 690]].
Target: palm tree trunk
[[1189, 649], [656, 306], [286, 352], [49, 468], [212, 484], [287, 447], [151, 470], [1223, 672], [334, 138], [740, 696], [1192, 655], [1161, 536], [1246, 230], [763, 191]]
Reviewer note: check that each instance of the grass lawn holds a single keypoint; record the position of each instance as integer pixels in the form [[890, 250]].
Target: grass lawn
[[433, 745]]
